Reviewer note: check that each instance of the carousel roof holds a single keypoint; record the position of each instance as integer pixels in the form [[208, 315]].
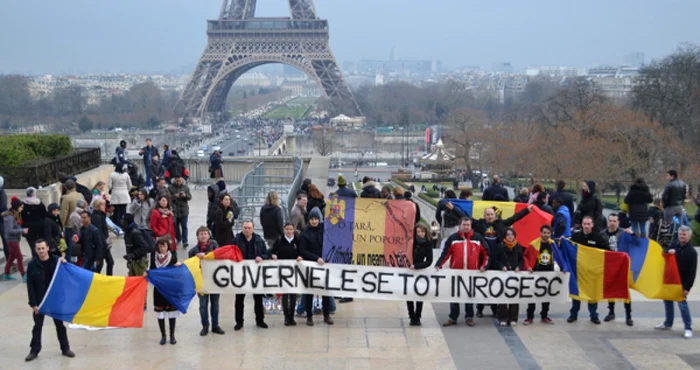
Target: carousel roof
[[438, 154]]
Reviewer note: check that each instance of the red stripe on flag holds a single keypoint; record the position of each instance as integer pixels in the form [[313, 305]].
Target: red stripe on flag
[[528, 228], [127, 311], [616, 275], [671, 273]]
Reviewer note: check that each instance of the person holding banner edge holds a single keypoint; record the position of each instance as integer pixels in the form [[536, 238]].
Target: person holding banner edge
[[252, 247], [465, 250], [311, 249], [541, 259], [286, 247], [589, 237], [205, 245], [422, 258]]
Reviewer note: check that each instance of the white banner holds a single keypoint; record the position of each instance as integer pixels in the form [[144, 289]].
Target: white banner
[[389, 283]]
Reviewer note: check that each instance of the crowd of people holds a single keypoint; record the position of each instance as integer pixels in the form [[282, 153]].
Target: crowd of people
[[152, 215]]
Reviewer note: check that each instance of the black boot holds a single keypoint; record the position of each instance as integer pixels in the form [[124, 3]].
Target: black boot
[[172, 331], [161, 325]]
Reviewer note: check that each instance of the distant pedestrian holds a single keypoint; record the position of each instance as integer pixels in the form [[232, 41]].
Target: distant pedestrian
[[33, 215], [271, 218], [638, 198], [163, 221], [120, 155], [119, 185], [316, 199], [147, 152], [216, 171], [181, 196], [12, 224], [3, 208], [673, 197], [490, 192]]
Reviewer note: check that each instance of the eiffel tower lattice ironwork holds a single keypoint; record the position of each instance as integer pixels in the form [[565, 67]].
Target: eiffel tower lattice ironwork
[[238, 42]]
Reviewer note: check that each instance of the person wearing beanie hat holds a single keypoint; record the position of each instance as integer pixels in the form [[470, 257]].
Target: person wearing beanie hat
[[311, 249], [343, 190], [120, 154], [53, 229], [12, 224]]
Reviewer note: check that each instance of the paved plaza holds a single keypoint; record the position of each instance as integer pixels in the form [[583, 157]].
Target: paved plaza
[[366, 334]]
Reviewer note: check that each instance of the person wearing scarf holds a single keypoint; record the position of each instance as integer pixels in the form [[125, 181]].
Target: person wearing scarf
[[205, 245], [508, 256], [12, 222], [286, 247], [33, 215], [422, 258], [161, 258]]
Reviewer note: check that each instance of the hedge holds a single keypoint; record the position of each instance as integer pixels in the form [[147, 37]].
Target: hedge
[[428, 199], [16, 150]]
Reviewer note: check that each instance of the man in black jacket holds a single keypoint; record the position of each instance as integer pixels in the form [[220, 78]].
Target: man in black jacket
[[687, 262], [311, 249], [99, 220], [252, 247], [496, 189], [91, 242], [590, 238], [613, 234], [673, 197], [53, 231], [39, 274], [566, 198], [369, 189]]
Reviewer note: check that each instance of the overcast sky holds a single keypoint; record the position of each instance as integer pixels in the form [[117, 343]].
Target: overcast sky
[[97, 36]]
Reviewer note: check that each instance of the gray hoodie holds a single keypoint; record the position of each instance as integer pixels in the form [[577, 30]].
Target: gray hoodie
[[13, 230]]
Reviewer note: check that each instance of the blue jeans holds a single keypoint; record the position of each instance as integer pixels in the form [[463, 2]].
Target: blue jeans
[[639, 227], [454, 311], [331, 305], [148, 171], [68, 236], [576, 307], [301, 306], [203, 309], [685, 314], [181, 229]]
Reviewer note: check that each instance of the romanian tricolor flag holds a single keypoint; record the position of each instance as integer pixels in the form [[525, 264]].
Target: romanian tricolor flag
[[528, 228], [652, 273], [83, 297], [369, 232], [179, 284], [596, 274]]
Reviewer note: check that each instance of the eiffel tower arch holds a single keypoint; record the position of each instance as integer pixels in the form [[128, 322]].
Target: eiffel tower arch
[[238, 42]]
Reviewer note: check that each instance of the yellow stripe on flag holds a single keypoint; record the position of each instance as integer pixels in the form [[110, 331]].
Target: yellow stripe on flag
[[369, 242], [507, 208], [196, 271], [590, 267], [97, 306]]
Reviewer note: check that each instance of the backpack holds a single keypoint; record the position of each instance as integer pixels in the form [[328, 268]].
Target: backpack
[[149, 238]]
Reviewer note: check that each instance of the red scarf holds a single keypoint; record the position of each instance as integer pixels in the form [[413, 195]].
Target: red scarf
[[204, 247]]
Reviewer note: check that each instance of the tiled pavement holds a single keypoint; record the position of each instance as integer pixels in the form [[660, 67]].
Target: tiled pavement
[[366, 334]]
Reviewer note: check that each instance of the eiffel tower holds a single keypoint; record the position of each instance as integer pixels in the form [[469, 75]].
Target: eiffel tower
[[238, 41]]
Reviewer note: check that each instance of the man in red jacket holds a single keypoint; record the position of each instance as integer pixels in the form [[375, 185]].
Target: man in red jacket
[[466, 251]]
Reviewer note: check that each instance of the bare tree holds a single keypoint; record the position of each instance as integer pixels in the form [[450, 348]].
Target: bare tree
[[463, 126], [323, 141]]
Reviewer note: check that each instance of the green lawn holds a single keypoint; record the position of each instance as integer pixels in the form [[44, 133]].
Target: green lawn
[[295, 112], [303, 100]]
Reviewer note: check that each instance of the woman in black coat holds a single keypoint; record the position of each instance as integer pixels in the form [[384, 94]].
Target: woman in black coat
[[422, 258], [286, 247], [509, 256], [638, 199], [224, 218], [590, 206]]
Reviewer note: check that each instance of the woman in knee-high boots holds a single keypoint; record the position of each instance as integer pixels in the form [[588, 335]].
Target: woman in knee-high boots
[[164, 257]]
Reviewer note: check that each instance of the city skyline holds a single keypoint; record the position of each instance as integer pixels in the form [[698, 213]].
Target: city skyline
[[81, 36]]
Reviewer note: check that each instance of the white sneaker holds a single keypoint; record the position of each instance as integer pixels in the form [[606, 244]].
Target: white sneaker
[[688, 334], [513, 323], [662, 326], [503, 323]]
